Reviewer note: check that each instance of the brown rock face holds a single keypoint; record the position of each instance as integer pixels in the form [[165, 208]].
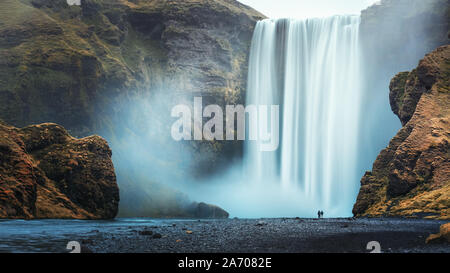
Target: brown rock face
[[411, 177], [46, 173], [442, 237]]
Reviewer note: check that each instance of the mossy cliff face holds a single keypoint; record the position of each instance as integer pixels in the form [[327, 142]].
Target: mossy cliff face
[[90, 67], [411, 177], [67, 64], [46, 173]]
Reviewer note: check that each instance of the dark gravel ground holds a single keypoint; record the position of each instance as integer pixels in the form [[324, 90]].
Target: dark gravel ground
[[270, 236]]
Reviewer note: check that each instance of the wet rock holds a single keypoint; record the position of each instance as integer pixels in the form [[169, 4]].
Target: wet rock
[[157, 236], [207, 211], [261, 223], [146, 233]]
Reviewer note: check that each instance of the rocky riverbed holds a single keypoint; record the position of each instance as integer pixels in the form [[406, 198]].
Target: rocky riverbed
[[259, 236], [221, 236]]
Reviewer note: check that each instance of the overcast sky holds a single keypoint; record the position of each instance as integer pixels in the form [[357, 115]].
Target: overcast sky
[[307, 8]]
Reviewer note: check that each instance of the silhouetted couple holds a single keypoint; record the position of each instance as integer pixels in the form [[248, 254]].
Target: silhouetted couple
[[320, 214]]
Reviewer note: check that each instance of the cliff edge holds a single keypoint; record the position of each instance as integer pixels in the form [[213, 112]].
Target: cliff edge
[[411, 177]]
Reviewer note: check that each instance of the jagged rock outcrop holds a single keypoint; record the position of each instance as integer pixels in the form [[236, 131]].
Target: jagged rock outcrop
[[46, 173], [411, 177]]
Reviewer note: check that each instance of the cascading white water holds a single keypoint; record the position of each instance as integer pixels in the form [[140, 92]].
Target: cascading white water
[[311, 69]]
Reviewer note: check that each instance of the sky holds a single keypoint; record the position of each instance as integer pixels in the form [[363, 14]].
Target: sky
[[307, 8]]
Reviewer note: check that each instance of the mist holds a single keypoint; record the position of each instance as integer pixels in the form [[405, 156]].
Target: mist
[[148, 163], [161, 177]]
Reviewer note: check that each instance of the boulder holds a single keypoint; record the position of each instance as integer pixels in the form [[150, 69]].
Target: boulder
[[46, 173], [207, 211]]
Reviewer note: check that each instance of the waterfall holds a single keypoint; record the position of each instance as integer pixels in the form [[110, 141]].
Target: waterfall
[[311, 69]]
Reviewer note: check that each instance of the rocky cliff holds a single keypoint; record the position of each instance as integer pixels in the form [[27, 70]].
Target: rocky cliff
[[68, 64], [394, 36], [411, 177], [46, 173], [97, 68]]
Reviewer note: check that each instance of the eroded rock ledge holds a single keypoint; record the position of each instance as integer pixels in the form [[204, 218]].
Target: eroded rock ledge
[[411, 177], [46, 173]]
